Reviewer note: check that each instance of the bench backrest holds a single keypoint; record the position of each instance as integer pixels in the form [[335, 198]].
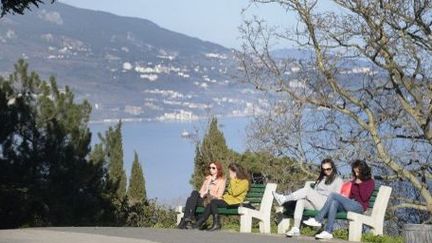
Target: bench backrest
[[380, 201]]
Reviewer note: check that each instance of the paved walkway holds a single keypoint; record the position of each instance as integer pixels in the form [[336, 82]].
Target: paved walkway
[[136, 235]]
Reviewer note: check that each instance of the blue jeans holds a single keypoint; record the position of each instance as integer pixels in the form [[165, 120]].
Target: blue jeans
[[336, 202]]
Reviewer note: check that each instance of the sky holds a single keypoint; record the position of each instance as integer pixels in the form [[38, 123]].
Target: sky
[[210, 20]]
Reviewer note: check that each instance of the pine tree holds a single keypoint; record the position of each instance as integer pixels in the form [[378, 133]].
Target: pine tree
[[44, 145], [136, 190], [213, 148], [18, 7]]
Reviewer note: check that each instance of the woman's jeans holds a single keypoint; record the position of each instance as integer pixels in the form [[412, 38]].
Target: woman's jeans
[[336, 202]]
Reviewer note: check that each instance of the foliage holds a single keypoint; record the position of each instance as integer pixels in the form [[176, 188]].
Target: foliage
[[113, 147], [213, 148], [150, 214], [266, 164], [18, 7], [369, 237], [308, 231], [49, 176], [341, 234], [136, 190], [45, 177], [283, 170]]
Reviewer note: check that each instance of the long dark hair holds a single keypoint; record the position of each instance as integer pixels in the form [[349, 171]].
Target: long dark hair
[[365, 170], [241, 172], [329, 179]]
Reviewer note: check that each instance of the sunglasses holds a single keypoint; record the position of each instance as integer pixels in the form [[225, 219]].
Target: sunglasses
[[327, 169], [212, 168]]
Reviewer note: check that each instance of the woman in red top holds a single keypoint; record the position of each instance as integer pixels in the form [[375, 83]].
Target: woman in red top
[[358, 200], [213, 186]]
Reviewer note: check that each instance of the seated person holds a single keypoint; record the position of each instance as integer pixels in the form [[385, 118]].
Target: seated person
[[213, 186], [358, 200], [236, 193], [314, 198]]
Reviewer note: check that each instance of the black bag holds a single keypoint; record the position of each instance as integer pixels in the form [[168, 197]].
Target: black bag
[[207, 199], [258, 178]]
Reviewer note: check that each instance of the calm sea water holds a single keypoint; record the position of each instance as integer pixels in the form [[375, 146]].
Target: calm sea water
[[167, 158]]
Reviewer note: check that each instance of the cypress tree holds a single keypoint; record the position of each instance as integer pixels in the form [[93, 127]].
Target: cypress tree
[[212, 148], [114, 151], [136, 190]]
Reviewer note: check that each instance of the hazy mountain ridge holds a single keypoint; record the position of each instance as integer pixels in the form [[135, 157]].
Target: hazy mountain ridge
[[132, 68], [126, 67]]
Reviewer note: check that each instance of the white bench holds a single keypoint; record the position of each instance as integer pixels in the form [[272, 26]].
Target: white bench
[[374, 217], [254, 196]]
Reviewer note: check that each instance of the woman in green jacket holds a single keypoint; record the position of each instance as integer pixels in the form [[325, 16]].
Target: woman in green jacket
[[236, 193]]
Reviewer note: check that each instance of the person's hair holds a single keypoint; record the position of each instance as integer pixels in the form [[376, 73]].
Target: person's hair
[[241, 172], [219, 168], [365, 170], [329, 179]]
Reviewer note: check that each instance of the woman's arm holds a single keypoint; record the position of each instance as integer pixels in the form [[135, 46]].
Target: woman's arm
[[221, 188], [365, 189], [239, 188], [337, 185], [204, 186]]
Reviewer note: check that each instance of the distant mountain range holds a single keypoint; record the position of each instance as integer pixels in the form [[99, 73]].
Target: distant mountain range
[[131, 68], [126, 67]]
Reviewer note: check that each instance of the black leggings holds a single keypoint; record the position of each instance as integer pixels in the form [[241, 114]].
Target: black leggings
[[212, 207], [192, 202]]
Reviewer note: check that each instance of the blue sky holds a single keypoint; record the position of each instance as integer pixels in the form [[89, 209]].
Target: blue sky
[[211, 20]]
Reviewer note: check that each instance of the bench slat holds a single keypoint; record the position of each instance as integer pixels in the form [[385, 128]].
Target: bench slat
[[257, 186], [253, 200], [255, 194], [256, 190], [224, 211]]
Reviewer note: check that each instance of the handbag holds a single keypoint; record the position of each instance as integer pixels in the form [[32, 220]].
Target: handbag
[[346, 189], [207, 199]]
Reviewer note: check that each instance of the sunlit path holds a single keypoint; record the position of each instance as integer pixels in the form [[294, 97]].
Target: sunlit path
[[136, 235]]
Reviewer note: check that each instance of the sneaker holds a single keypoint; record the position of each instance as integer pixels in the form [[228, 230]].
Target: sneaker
[[295, 231], [312, 222], [280, 198], [324, 235]]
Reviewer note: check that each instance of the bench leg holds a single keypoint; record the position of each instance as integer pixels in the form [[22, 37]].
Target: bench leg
[[264, 226], [377, 229], [283, 226], [355, 231], [180, 214], [245, 224]]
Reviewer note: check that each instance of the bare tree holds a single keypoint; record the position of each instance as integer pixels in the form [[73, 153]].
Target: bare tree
[[364, 82]]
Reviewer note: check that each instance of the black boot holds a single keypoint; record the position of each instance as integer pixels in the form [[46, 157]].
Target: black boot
[[216, 223], [188, 224], [182, 224], [199, 223]]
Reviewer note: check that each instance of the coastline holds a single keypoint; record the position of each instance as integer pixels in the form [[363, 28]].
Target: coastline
[[137, 120]]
